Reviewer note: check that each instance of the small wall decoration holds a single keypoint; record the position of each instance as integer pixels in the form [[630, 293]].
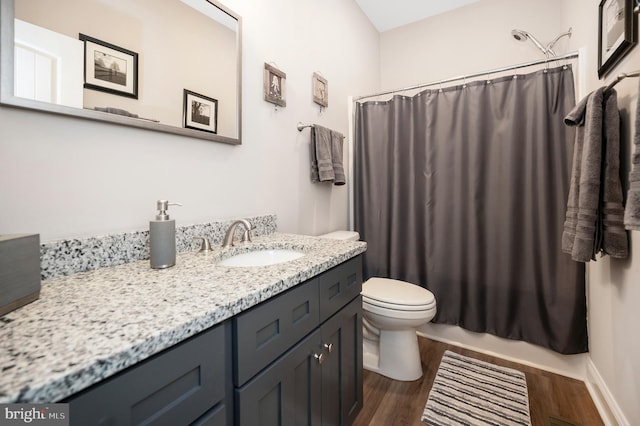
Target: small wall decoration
[[320, 90], [200, 112], [109, 68], [274, 85], [616, 33]]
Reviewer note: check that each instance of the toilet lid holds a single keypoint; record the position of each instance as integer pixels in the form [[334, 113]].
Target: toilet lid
[[394, 292]]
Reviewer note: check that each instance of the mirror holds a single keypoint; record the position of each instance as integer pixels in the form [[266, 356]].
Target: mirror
[[167, 65]]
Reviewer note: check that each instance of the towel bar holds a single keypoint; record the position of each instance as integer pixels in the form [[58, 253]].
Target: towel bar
[[301, 126], [621, 77]]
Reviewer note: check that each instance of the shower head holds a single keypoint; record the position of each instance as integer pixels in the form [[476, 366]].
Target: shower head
[[548, 50], [519, 35], [524, 36]]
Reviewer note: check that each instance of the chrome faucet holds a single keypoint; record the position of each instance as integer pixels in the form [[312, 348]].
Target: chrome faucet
[[246, 236]]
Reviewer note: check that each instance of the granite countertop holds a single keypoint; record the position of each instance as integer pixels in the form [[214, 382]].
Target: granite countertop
[[88, 326]]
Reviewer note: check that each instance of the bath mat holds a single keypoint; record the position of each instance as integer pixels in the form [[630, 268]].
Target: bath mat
[[468, 391]]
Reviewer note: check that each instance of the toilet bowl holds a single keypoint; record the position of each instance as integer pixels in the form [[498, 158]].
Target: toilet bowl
[[392, 310]]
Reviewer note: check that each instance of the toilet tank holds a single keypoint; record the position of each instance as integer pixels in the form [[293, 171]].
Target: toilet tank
[[342, 235]]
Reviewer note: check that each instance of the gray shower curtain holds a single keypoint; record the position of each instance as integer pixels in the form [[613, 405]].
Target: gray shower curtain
[[463, 191]]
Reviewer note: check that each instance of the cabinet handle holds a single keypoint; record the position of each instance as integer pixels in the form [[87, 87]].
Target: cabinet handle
[[328, 347], [319, 358]]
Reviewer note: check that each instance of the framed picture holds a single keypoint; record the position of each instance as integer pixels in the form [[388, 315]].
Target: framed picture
[[200, 112], [275, 86], [109, 68], [616, 33], [320, 89]]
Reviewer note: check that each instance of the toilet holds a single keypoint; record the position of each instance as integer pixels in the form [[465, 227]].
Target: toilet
[[392, 310]]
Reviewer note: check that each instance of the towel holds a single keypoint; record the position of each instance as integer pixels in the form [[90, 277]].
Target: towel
[[337, 140], [321, 163], [632, 210], [326, 156], [116, 111], [615, 241], [594, 214]]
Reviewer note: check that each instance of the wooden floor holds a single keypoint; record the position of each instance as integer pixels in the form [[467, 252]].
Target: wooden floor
[[553, 399]]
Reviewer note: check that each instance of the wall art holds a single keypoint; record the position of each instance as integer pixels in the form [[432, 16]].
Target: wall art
[[200, 112], [320, 90], [109, 68], [275, 85], [616, 33]]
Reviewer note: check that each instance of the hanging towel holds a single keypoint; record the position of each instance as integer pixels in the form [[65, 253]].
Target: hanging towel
[[594, 215], [632, 210], [615, 242], [326, 155], [336, 157], [321, 149]]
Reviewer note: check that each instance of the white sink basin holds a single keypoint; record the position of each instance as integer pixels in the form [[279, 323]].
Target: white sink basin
[[261, 258]]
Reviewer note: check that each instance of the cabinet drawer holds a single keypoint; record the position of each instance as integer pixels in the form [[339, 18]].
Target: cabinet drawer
[[339, 286], [173, 387], [266, 331]]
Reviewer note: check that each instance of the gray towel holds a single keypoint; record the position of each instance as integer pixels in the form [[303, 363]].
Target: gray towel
[[593, 221], [326, 155], [321, 163], [336, 157], [632, 210], [116, 111], [615, 242]]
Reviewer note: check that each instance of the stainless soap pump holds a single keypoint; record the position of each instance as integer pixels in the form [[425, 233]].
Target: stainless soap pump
[[162, 237]]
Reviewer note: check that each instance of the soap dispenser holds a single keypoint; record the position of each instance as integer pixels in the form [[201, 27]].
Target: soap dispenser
[[162, 237]]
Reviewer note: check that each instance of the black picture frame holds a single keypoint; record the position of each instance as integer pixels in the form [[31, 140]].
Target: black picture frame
[[109, 68], [200, 112], [616, 33]]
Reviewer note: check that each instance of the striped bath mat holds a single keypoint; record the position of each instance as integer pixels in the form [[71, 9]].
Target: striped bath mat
[[467, 391]]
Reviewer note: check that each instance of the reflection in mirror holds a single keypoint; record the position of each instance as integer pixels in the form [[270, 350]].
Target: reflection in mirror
[[126, 62]]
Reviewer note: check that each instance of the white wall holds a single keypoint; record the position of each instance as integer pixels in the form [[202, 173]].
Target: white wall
[[467, 40], [65, 177], [477, 38]]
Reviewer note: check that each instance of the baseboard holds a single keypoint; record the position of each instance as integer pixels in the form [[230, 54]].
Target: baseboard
[[606, 404], [573, 366]]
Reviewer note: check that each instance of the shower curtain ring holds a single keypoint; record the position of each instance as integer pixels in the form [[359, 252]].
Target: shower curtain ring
[[546, 63], [440, 86], [464, 81], [488, 78]]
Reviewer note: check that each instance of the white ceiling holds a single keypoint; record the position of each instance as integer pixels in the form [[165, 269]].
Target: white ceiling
[[386, 14]]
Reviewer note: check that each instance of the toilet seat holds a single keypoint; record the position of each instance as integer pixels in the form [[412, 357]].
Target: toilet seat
[[396, 294], [397, 306]]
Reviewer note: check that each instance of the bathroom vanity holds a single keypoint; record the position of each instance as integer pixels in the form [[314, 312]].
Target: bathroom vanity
[[197, 343]]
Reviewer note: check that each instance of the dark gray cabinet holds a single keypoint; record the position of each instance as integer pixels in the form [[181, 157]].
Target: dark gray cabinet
[[295, 359], [187, 384], [317, 379]]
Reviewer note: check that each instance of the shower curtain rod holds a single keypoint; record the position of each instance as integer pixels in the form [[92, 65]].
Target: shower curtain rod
[[477, 74]]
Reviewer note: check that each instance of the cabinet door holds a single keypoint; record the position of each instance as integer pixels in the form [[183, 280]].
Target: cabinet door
[[342, 366], [286, 393], [174, 387]]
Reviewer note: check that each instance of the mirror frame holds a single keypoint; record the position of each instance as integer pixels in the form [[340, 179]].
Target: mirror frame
[[7, 14]]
